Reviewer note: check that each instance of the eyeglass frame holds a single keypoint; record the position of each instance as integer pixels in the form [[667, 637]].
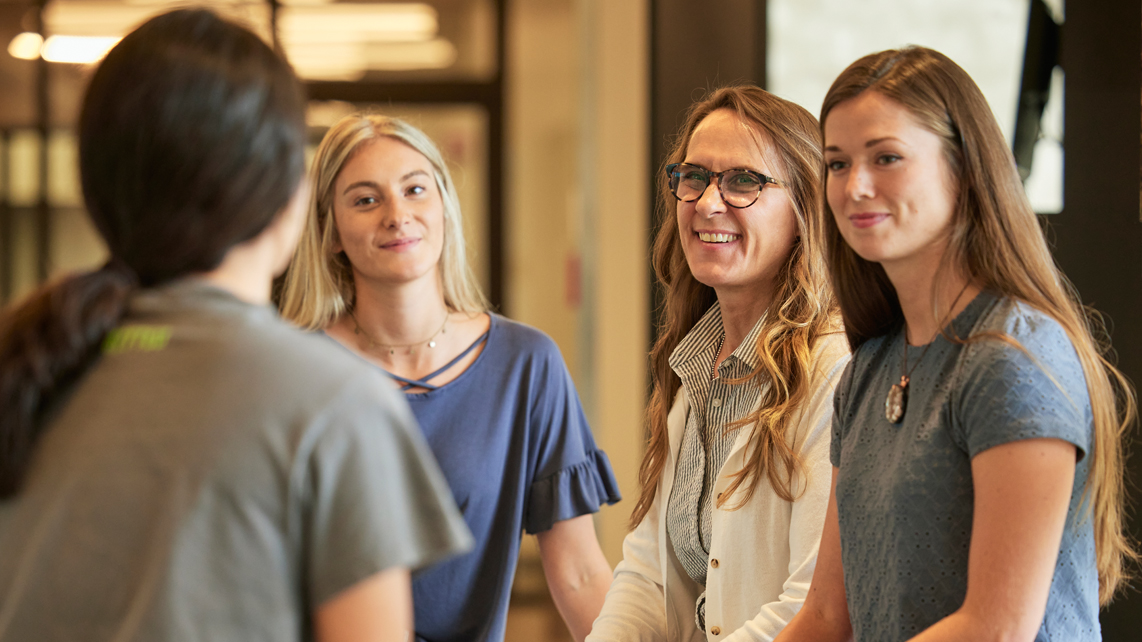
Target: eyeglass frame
[[672, 186]]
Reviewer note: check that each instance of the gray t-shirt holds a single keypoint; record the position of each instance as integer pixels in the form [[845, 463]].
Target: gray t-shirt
[[904, 491], [217, 475]]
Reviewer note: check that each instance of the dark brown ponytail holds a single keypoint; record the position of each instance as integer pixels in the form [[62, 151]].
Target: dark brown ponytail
[[191, 141], [46, 343]]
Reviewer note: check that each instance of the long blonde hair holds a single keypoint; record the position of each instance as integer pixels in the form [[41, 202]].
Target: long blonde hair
[[319, 284], [997, 240], [802, 309]]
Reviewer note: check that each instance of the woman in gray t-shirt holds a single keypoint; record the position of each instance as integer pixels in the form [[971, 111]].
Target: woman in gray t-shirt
[[977, 465], [176, 462]]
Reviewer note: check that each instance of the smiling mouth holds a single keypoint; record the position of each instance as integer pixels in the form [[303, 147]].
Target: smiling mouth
[[711, 237]]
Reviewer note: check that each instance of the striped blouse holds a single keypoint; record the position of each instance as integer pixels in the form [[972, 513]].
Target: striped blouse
[[706, 442]]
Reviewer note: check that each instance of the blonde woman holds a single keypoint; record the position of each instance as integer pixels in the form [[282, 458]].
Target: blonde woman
[[381, 270], [978, 481], [735, 479]]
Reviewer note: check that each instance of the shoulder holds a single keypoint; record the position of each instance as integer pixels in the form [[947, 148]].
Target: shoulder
[[523, 340], [1012, 334], [1019, 376], [831, 354], [1022, 322], [305, 372]]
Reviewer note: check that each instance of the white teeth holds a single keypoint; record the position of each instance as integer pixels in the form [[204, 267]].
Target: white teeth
[[716, 238]]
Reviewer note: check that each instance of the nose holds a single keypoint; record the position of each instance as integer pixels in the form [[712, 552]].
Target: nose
[[710, 202], [395, 214], [858, 184]]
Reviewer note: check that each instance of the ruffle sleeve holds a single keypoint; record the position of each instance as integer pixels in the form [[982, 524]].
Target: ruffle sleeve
[[576, 490]]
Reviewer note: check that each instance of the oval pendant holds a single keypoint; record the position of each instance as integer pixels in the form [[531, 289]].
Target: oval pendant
[[895, 403]]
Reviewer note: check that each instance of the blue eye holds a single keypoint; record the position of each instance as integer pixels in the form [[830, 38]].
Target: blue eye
[[885, 159], [836, 165]]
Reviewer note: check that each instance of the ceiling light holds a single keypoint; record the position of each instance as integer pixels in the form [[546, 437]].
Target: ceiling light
[[387, 22], [94, 17], [26, 46], [77, 49]]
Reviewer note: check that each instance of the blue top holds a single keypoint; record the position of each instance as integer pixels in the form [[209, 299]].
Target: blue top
[[513, 442], [904, 491]]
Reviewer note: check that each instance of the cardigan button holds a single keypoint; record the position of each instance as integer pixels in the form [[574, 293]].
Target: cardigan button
[[716, 630], [714, 563]]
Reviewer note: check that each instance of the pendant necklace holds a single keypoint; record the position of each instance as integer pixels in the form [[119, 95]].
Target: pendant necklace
[[897, 401], [391, 349]]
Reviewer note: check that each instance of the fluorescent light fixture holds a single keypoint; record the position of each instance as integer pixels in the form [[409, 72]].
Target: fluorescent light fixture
[[437, 53], [350, 60], [26, 46], [344, 41], [94, 17], [77, 49], [384, 22], [119, 17]]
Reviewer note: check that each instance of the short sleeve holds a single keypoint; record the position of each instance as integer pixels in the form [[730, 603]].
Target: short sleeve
[[1025, 382], [375, 496], [572, 477], [840, 412]]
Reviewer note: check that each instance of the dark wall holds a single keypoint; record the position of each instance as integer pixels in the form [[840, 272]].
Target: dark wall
[[1098, 236], [696, 47]]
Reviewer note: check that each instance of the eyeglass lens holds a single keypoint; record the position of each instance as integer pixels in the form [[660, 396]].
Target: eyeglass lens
[[739, 188]]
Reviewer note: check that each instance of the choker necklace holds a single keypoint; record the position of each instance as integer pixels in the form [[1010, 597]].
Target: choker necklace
[[897, 401], [410, 347]]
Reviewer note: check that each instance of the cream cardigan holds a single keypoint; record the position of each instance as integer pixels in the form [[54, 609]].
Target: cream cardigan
[[762, 555]]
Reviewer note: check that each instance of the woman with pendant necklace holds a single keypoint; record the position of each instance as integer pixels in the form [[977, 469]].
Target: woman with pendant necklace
[[381, 270], [735, 479], [977, 488]]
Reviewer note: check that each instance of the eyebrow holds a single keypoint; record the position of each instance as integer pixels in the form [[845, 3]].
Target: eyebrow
[[376, 186], [872, 143]]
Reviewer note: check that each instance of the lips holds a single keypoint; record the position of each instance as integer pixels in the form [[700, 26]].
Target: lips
[[402, 243], [867, 219]]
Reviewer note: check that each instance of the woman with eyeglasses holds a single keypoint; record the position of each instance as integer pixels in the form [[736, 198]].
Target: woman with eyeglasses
[[977, 488], [735, 479], [176, 462], [381, 270]]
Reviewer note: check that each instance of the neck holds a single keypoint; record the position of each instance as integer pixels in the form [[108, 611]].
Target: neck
[[402, 314], [740, 312], [247, 272], [930, 298]]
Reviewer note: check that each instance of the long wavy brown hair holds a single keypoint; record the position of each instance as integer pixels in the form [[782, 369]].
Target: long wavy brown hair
[[997, 242], [801, 312]]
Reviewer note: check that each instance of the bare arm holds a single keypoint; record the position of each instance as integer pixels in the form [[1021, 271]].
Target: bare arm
[[1022, 492], [825, 615], [377, 609], [577, 573]]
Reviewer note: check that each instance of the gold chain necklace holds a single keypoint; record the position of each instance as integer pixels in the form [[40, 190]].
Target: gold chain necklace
[[896, 403], [411, 347]]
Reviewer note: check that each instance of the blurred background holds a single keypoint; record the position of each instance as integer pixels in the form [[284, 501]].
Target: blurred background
[[555, 116]]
